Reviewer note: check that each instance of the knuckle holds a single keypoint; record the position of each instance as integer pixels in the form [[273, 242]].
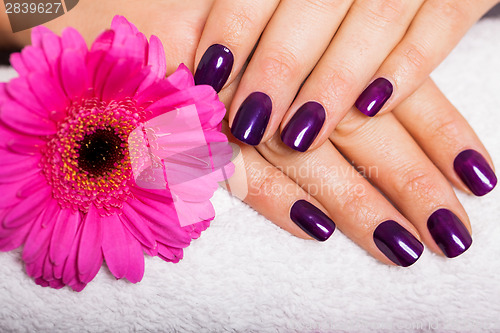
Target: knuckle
[[416, 184], [237, 23], [415, 57], [443, 127], [280, 66], [454, 12], [337, 84], [357, 205], [381, 13], [322, 5]]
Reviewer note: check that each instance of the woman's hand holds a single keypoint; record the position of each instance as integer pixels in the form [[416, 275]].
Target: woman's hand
[[410, 156], [372, 52]]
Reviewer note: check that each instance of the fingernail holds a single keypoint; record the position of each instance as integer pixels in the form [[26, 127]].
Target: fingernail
[[304, 126], [214, 67], [251, 120], [397, 243], [449, 233], [312, 220], [373, 98], [475, 172]]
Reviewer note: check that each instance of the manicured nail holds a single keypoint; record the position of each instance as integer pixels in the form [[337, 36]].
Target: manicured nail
[[215, 67], [374, 97], [449, 233], [304, 126], [475, 172], [251, 120], [312, 220], [397, 243]]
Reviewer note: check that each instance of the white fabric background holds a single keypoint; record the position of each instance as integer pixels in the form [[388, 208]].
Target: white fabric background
[[245, 274]]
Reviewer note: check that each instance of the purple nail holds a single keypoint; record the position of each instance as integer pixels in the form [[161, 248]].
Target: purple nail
[[251, 120], [215, 67], [312, 220], [449, 233], [397, 243], [374, 97], [304, 126], [475, 172]]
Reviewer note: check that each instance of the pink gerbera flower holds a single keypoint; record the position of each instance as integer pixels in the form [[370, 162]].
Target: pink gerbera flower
[[67, 185]]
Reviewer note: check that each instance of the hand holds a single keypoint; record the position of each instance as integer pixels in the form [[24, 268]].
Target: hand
[[410, 155], [337, 47]]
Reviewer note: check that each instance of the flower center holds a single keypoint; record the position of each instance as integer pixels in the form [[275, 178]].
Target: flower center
[[100, 152], [87, 161]]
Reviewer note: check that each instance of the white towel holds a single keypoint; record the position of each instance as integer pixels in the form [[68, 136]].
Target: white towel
[[245, 274]]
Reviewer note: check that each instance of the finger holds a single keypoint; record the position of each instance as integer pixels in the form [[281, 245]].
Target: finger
[[275, 196], [437, 28], [360, 211], [447, 138], [371, 29], [231, 32], [291, 45], [408, 178]]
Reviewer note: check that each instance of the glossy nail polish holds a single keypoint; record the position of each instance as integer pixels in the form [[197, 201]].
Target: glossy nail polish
[[251, 120], [397, 243], [449, 233], [215, 67], [373, 98], [475, 172], [312, 220], [304, 126]]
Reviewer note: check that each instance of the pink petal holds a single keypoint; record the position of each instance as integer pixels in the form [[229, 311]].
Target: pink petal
[[15, 239], [34, 184], [103, 42], [179, 80], [16, 60], [49, 93], [122, 70], [20, 119], [37, 34], [35, 268], [41, 282], [157, 62], [19, 90], [137, 226], [164, 223], [170, 254], [56, 284], [3, 93], [34, 59], [115, 246], [63, 236], [12, 193], [179, 99], [28, 209], [70, 272], [121, 23], [51, 44], [135, 271], [38, 239], [129, 88], [89, 252], [73, 40], [74, 74], [15, 172], [48, 272]]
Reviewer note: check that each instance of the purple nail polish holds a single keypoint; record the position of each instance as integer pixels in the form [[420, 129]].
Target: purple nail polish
[[374, 97], [312, 220], [397, 243], [475, 172], [251, 120], [449, 233], [215, 67], [304, 126]]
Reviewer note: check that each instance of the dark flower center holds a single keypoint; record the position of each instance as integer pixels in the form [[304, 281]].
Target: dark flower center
[[100, 152]]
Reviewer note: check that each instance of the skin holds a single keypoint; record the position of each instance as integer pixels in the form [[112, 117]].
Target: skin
[[413, 166]]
